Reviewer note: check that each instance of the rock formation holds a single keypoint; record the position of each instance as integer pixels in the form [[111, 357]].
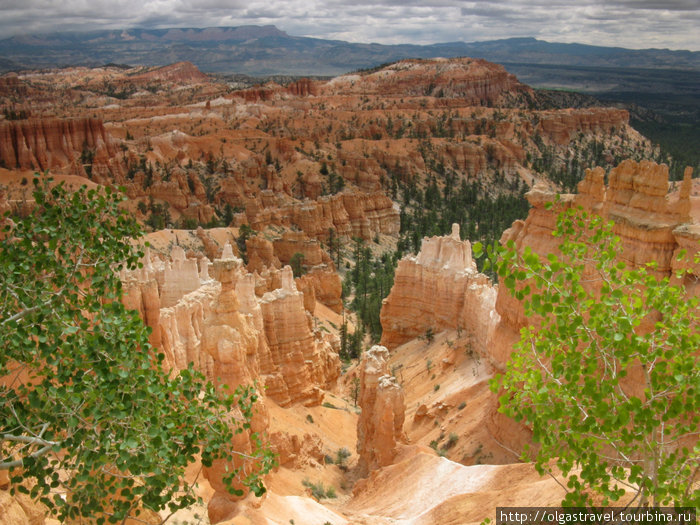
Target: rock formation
[[261, 254], [326, 285], [58, 144], [180, 73], [349, 213], [380, 427], [269, 339], [292, 243], [438, 289], [301, 361], [11, 85], [476, 81], [651, 226], [234, 337], [185, 194], [562, 125], [320, 282], [19, 509], [179, 277], [140, 293]]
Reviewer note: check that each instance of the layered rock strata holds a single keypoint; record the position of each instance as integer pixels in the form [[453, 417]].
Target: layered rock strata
[[59, 144], [353, 214], [320, 282], [475, 81], [230, 333], [438, 289], [326, 285], [652, 226], [208, 314], [302, 361], [380, 427], [561, 126]]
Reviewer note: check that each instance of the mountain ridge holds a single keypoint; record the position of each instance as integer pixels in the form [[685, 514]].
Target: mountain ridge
[[264, 50]]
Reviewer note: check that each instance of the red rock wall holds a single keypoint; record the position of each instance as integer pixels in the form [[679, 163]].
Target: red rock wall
[[55, 144], [348, 213], [228, 332], [562, 126], [652, 227]]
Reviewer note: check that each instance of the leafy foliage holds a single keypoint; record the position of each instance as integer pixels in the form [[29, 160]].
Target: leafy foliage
[[318, 491], [88, 415], [607, 378]]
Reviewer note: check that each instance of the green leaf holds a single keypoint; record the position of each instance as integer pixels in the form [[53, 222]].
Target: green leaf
[[98, 391]]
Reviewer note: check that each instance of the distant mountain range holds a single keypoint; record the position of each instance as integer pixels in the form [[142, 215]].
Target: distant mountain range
[[265, 50]]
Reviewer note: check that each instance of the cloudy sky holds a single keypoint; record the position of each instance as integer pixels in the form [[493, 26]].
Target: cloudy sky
[[627, 23]]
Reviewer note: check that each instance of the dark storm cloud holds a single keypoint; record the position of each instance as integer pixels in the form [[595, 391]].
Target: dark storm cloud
[[626, 23]]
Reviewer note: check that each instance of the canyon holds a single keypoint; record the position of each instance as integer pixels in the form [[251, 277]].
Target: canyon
[[251, 198]]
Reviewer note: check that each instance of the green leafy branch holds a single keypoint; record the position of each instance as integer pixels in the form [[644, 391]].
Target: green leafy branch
[[606, 374]]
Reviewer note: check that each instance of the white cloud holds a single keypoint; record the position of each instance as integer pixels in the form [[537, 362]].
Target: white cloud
[[625, 23]]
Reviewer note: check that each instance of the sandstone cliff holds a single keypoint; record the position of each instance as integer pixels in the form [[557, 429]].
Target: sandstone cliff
[[652, 227], [69, 145], [380, 427], [302, 362], [320, 281], [349, 213], [436, 290], [230, 333], [562, 125], [476, 81], [326, 285], [209, 314]]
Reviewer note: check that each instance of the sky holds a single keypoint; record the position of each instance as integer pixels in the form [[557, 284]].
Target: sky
[[635, 24]]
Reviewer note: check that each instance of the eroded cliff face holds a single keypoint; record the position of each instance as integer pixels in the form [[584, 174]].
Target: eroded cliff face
[[320, 281], [439, 291], [354, 214], [380, 427], [303, 361], [59, 144], [653, 227], [476, 81], [563, 125], [209, 314], [326, 285], [436, 290]]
